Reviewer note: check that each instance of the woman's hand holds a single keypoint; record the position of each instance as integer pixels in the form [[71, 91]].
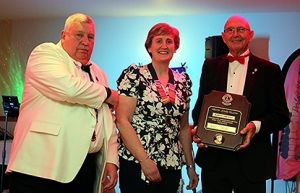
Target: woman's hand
[[194, 178], [150, 170]]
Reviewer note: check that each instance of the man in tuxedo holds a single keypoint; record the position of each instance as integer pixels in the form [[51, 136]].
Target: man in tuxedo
[[261, 82], [65, 138]]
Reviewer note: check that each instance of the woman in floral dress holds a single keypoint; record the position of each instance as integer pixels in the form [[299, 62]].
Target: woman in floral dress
[[152, 117]]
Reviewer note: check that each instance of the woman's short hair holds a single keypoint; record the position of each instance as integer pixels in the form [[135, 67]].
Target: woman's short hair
[[162, 29]]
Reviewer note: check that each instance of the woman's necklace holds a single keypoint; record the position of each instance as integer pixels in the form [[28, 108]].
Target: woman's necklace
[[167, 97]]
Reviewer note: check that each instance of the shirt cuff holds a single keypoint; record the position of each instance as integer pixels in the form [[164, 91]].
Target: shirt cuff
[[257, 125]]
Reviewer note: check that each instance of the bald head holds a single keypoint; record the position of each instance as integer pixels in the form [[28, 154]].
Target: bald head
[[237, 19]]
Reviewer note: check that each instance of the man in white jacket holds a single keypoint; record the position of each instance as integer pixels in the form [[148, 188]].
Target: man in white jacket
[[65, 138]]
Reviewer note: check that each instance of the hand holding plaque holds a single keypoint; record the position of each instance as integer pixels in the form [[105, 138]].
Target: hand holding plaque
[[222, 117]]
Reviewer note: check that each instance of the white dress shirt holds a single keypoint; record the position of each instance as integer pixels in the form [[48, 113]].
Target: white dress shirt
[[236, 79], [98, 142]]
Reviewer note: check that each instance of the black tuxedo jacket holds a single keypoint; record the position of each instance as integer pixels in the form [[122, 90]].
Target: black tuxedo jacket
[[264, 89]]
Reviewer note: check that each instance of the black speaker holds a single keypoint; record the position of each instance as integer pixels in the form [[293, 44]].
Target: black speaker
[[214, 47]]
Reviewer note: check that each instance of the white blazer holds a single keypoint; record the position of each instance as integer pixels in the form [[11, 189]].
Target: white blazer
[[57, 118]]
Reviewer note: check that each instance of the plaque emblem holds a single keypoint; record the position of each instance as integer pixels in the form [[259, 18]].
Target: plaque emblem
[[219, 139], [227, 99]]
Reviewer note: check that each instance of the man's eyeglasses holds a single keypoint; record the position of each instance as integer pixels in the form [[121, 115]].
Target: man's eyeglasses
[[240, 30]]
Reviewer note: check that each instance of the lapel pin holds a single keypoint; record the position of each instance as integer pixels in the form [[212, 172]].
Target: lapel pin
[[255, 70]]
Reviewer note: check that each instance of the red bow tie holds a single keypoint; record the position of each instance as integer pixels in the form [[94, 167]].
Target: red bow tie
[[240, 59]]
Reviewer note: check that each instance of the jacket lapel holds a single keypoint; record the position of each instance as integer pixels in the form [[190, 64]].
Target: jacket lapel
[[251, 76], [223, 74]]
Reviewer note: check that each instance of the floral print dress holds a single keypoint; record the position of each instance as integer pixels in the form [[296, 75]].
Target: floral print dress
[[156, 124]]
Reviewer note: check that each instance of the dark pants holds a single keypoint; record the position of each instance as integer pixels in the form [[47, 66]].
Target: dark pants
[[83, 182], [227, 176], [130, 179]]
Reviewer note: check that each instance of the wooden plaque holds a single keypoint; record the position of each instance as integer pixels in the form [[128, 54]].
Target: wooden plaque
[[221, 118]]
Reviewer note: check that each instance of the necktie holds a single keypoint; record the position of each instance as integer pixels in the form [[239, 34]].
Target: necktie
[[240, 59], [87, 69]]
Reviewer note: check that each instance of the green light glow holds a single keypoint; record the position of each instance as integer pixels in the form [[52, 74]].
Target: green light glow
[[12, 73]]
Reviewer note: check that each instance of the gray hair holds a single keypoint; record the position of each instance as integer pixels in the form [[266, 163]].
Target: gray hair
[[78, 18]]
